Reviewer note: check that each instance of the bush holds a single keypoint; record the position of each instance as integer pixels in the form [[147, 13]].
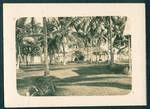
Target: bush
[[118, 68], [79, 56], [42, 86]]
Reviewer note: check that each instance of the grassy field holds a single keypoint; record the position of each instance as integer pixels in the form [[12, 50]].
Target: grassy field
[[77, 79]]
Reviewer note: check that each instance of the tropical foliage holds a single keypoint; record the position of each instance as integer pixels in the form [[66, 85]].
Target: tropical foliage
[[66, 35]]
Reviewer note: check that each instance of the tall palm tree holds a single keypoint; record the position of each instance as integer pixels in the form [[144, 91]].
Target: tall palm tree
[[82, 27], [93, 32], [32, 36], [52, 38], [119, 40], [46, 71], [99, 34], [20, 31], [62, 33]]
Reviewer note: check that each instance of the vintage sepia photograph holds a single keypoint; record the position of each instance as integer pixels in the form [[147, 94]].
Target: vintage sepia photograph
[[66, 55]]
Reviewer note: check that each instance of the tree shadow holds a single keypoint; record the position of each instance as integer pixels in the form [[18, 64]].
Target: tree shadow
[[84, 78], [29, 81], [103, 84], [93, 70], [102, 69], [87, 76]]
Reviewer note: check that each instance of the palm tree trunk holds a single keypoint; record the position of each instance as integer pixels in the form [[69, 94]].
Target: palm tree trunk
[[27, 60], [58, 57], [91, 51], [32, 59], [129, 47], [51, 57], [87, 53], [64, 55], [41, 57], [97, 51], [18, 58], [46, 70], [111, 44]]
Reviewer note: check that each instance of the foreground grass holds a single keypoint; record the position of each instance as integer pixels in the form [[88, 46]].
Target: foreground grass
[[77, 90], [79, 80]]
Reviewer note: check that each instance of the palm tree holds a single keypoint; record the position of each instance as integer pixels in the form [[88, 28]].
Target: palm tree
[[93, 32], [119, 40], [31, 42], [114, 26], [52, 38], [110, 41], [46, 71], [20, 31], [53, 47], [99, 35], [82, 27], [30, 47], [62, 33]]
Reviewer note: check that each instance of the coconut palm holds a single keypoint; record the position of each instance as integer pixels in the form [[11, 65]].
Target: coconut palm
[[52, 39], [119, 40], [20, 31], [46, 71], [62, 33], [83, 31], [92, 32], [98, 31], [114, 27], [31, 43], [30, 47]]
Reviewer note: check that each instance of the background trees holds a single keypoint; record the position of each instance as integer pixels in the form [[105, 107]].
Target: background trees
[[20, 31], [97, 35]]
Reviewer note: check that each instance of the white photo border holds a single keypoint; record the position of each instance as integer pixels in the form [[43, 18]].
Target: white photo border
[[136, 13]]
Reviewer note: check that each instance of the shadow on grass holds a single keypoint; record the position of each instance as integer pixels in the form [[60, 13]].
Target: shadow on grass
[[97, 81], [87, 76], [38, 67], [29, 81], [103, 84], [92, 70], [84, 78]]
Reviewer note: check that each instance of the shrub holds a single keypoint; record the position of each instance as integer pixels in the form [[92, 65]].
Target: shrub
[[118, 68], [42, 86], [79, 56]]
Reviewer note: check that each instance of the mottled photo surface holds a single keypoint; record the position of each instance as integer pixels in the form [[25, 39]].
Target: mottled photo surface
[[73, 56]]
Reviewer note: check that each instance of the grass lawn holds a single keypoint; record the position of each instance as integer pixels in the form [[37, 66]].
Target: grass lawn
[[78, 80]]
